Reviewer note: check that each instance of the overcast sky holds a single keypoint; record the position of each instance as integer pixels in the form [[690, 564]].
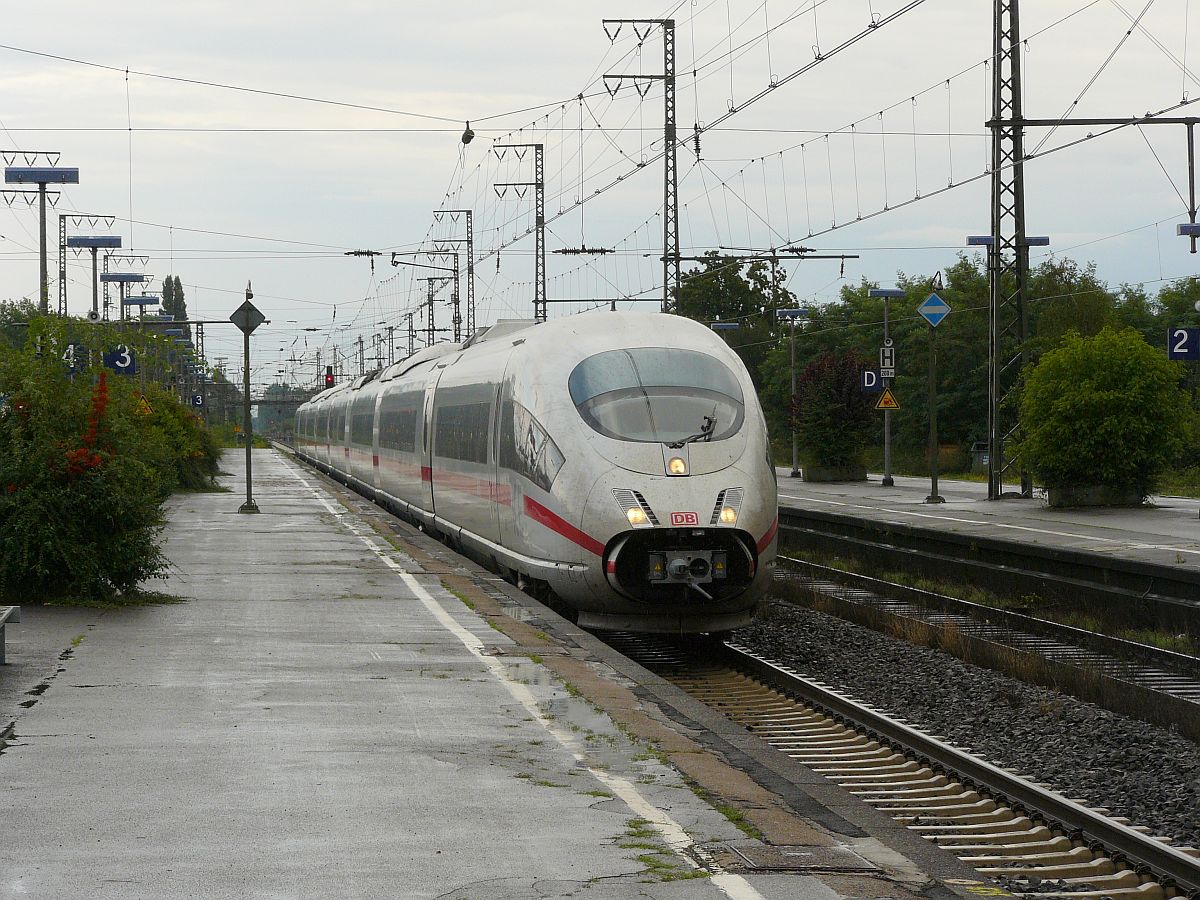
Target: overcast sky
[[220, 186]]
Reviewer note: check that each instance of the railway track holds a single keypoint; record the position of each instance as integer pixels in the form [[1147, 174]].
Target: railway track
[[1137, 679], [1111, 587], [1024, 835]]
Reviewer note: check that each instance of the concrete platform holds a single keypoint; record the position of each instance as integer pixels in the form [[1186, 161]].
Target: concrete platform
[[340, 707], [1165, 532]]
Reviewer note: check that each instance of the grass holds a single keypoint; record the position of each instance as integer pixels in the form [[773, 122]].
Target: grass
[[661, 864], [730, 812], [136, 597], [212, 488], [1181, 483], [466, 601]]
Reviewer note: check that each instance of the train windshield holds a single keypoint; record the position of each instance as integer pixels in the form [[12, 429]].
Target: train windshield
[[658, 394]]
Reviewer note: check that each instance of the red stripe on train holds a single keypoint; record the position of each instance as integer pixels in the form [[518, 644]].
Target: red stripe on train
[[769, 536], [558, 524]]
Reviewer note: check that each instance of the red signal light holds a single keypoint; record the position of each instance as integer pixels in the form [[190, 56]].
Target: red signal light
[[329, 376]]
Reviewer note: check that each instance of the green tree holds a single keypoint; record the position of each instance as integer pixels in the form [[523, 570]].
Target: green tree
[[173, 302], [14, 319], [1063, 297], [1105, 410], [729, 290]]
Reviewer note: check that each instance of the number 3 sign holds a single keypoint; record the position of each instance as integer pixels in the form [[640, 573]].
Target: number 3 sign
[[121, 360]]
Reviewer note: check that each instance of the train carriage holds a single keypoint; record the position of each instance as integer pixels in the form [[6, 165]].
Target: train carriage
[[618, 460]]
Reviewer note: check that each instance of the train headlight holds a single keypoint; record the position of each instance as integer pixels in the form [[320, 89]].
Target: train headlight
[[677, 466], [729, 515], [636, 516]]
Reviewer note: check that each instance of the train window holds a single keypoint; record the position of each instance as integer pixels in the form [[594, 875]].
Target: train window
[[526, 448], [398, 416], [461, 423], [362, 419], [361, 425], [658, 394]]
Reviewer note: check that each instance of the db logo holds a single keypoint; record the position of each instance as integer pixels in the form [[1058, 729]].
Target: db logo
[[684, 518]]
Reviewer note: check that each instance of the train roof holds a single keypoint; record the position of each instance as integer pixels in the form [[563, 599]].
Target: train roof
[[409, 362]]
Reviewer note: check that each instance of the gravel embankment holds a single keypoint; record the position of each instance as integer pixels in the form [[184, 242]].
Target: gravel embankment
[[1133, 769]]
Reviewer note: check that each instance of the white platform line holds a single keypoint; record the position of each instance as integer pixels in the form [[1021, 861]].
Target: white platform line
[[994, 524]]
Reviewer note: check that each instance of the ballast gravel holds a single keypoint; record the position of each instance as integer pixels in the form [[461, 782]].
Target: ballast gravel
[[1143, 772]]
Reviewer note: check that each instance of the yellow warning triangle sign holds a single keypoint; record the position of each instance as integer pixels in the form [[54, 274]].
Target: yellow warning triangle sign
[[143, 407], [887, 400]]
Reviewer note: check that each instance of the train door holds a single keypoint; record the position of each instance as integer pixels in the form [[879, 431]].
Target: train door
[[376, 481], [502, 432], [500, 490], [427, 499]]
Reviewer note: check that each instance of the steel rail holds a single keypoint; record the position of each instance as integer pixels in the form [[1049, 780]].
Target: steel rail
[[1171, 591], [1118, 647], [1171, 866]]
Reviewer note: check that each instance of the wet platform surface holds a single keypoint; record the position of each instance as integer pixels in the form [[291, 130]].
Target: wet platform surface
[[1166, 531], [332, 711]]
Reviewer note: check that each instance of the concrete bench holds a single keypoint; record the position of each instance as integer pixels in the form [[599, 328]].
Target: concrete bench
[[7, 614]]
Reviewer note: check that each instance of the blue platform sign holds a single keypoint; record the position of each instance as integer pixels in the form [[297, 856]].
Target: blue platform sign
[[1183, 343], [934, 309], [870, 381], [121, 360]]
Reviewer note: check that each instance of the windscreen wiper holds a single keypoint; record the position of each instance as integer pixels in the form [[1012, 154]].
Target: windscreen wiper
[[704, 434]]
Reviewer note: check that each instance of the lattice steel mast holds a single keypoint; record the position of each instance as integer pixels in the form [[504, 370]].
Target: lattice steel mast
[[670, 159], [1008, 258], [539, 187], [470, 243]]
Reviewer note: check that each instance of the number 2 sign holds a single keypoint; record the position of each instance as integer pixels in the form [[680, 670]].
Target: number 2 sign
[[1183, 343]]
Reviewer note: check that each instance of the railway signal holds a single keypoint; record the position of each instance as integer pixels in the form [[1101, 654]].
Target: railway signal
[[247, 318], [933, 310], [887, 371], [329, 376]]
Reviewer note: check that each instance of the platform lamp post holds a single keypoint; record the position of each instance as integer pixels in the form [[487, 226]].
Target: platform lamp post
[[95, 243], [887, 295], [791, 315], [247, 317], [41, 176]]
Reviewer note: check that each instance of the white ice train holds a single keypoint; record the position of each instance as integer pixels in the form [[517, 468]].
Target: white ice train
[[617, 461]]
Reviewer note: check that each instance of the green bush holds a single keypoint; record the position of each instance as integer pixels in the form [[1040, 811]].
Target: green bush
[[193, 453], [85, 463], [79, 510], [1105, 410], [832, 414]]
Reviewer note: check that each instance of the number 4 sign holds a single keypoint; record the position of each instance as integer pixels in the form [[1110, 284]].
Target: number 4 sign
[[1183, 343]]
